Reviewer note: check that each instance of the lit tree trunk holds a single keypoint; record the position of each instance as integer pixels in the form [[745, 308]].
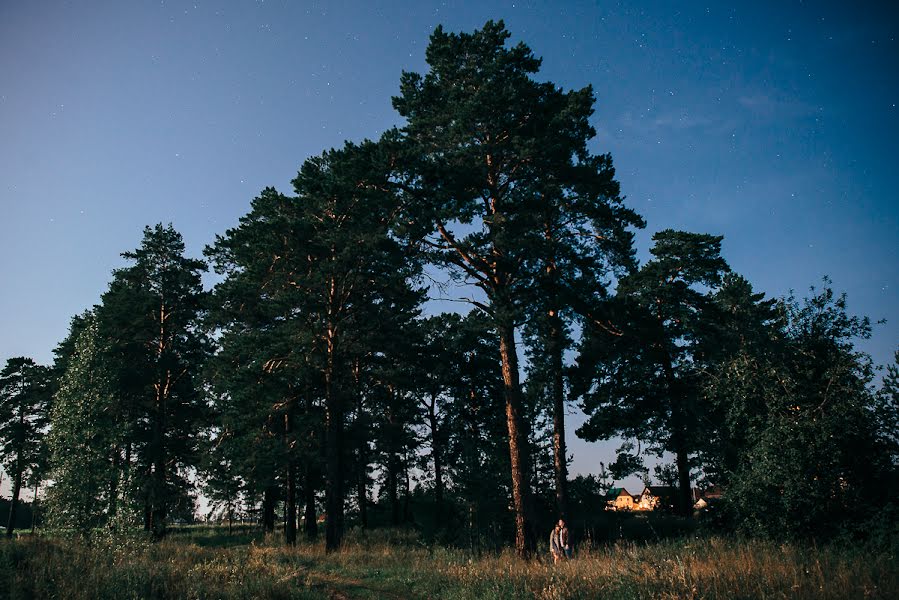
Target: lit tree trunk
[[162, 387], [525, 542], [555, 347], [310, 479], [158, 501]]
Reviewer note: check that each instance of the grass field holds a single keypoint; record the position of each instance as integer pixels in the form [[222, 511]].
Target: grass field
[[208, 563]]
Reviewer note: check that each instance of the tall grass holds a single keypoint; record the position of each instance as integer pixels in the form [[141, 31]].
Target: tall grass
[[394, 564]]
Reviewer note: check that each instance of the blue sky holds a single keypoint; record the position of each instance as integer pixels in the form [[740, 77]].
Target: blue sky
[[773, 124]]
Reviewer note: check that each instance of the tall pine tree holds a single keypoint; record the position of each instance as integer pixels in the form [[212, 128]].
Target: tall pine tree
[[487, 149], [25, 389], [150, 321], [641, 379]]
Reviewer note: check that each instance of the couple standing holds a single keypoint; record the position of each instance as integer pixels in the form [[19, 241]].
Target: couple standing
[[559, 544]]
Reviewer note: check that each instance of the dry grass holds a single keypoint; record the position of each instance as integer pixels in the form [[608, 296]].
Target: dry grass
[[393, 565]]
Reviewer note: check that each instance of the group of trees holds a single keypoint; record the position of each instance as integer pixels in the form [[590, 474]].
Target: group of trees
[[309, 378]]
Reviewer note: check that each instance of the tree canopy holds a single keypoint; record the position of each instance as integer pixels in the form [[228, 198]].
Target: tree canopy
[[312, 379]]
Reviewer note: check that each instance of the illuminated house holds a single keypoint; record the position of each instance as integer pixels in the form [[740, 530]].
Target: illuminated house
[[708, 497], [656, 497], [619, 499]]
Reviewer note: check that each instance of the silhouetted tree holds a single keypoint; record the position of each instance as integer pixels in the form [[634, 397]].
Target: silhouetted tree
[[642, 379], [150, 321], [25, 389]]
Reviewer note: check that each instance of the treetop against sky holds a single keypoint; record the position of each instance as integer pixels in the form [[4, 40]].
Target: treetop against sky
[[774, 126]]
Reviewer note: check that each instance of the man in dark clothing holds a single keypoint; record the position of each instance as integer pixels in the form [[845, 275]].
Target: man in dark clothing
[[563, 539]]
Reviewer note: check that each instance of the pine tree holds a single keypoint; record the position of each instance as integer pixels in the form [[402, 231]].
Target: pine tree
[[641, 379], [150, 321], [320, 277], [586, 240], [486, 149], [477, 460], [25, 389]]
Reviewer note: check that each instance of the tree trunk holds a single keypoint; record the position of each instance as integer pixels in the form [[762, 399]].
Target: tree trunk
[[684, 503], [684, 492], [334, 450], [309, 524], [34, 506], [407, 492], [290, 509], [392, 489], [159, 500], [361, 450], [525, 541], [560, 463], [555, 347], [14, 500], [114, 482], [438, 461], [159, 503], [362, 487], [393, 462], [268, 509]]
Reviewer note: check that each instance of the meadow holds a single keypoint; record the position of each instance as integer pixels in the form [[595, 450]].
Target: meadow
[[205, 562]]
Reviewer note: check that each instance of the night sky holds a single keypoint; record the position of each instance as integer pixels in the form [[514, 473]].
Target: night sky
[[772, 123]]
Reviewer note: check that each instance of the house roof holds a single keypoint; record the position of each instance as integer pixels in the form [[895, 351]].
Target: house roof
[[659, 490], [615, 492]]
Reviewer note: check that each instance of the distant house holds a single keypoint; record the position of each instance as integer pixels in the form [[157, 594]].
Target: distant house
[[708, 497], [619, 499], [656, 497]]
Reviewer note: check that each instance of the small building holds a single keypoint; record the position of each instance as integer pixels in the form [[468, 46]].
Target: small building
[[708, 497], [656, 497], [619, 499]]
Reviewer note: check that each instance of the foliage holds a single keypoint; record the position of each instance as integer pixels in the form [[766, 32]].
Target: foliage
[[390, 566], [25, 389], [812, 450], [308, 375], [640, 378], [500, 187], [83, 438], [149, 320]]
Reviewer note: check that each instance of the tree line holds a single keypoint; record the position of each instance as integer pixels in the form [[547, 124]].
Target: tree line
[[309, 378]]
